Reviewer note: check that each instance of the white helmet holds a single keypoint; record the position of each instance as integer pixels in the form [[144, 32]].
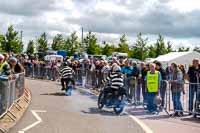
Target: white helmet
[[116, 68]]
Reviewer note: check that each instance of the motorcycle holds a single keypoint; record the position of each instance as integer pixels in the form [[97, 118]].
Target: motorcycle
[[117, 102]]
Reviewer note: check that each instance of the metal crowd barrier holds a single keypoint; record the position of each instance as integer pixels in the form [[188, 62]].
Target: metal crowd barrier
[[11, 90], [186, 100], [41, 71], [89, 79], [136, 91]]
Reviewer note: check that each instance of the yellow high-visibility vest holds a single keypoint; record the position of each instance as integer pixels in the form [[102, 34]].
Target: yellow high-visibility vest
[[152, 81], [2, 65]]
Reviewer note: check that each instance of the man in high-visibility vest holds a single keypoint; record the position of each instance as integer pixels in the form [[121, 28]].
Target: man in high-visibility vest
[[4, 66], [153, 80]]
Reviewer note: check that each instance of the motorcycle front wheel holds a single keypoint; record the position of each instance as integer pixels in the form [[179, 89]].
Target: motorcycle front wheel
[[100, 100]]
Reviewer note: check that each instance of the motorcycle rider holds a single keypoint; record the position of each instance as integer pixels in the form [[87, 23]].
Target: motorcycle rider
[[115, 78], [66, 73]]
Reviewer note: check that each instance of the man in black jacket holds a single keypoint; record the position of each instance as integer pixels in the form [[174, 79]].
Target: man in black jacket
[[163, 85], [193, 77]]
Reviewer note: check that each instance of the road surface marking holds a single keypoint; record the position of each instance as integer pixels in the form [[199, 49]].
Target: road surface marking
[[39, 120], [139, 122]]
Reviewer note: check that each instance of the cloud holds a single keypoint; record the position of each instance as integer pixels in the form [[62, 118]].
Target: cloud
[[108, 19], [26, 7]]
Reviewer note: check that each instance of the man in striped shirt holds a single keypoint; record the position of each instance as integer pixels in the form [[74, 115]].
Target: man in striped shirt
[[115, 78], [66, 73]]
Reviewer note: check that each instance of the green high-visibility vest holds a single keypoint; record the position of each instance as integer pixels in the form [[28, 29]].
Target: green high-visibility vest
[[152, 81], [2, 65]]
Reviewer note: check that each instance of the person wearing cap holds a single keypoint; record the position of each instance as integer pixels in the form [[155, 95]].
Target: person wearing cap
[[163, 84], [4, 66], [15, 66], [153, 80]]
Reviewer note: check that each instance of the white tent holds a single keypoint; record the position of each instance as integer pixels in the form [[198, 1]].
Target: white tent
[[184, 58]]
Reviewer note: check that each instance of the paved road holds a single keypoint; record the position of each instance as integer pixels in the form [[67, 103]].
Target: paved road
[[75, 114]]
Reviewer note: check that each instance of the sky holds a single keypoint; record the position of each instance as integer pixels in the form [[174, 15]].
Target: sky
[[177, 20]]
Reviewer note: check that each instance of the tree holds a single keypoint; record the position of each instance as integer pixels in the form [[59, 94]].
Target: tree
[[169, 47], [160, 46], [58, 42], [123, 45], [42, 43], [90, 42], [1, 41], [197, 49], [151, 52], [139, 48], [108, 49], [72, 45], [183, 49], [30, 48], [11, 41]]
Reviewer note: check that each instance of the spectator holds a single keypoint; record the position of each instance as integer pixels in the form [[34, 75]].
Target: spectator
[[163, 84], [15, 66], [105, 70], [127, 71], [4, 66], [193, 77], [182, 68], [143, 72], [176, 87], [135, 75], [153, 80], [114, 60]]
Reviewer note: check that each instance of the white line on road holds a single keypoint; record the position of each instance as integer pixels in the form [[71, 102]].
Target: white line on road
[[139, 122], [39, 120]]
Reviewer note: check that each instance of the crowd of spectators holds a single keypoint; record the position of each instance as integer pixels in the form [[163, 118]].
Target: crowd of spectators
[[90, 73]]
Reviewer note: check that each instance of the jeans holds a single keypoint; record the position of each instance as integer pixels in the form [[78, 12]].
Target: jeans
[[141, 85], [192, 91], [163, 92], [151, 106], [176, 97], [65, 82], [130, 87], [138, 90]]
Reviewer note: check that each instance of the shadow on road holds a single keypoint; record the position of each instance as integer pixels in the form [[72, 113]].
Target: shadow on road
[[93, 97], [195, 120], [94, 110], [54, 94], [140, 112]]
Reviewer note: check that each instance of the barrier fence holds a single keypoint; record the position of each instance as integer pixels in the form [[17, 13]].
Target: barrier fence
[[183, 98], [173, 97], [11, 90], [42, 72]]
